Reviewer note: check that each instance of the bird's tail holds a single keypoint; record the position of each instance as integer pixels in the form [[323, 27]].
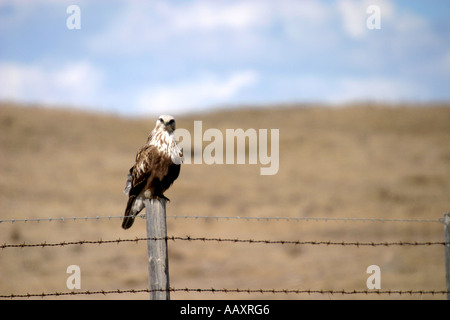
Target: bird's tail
[[128, 218]]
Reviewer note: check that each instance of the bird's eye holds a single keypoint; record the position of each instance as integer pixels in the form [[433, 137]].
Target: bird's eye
[[171, 121], [161, 119]]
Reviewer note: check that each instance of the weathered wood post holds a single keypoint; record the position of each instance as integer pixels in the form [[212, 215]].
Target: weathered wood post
[[447, 251], [158, 260]]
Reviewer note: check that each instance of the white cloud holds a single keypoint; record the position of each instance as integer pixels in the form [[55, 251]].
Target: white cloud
[[76, 83], [143, 27], [194, 94], [210, 16]]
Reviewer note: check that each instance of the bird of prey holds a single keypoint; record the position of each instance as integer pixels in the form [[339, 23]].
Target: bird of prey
[[157, 166]]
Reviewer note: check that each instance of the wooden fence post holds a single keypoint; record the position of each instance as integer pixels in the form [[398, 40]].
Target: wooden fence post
[[158, 260], [447, 250]]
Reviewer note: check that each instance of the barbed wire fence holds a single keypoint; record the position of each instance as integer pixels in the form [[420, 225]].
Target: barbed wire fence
[[233, 240], [218, 218], [445, 221], [237, 290]]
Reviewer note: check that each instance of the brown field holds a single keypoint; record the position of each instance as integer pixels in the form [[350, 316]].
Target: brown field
[[360, 161]]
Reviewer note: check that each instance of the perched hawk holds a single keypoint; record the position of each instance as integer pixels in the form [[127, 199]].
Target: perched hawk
[[157, 166]]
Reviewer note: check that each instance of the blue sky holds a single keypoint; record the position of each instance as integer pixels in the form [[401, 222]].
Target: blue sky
[[153, 57]]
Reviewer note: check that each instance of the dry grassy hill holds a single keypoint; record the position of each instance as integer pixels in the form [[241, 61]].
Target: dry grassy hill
[[358, 161]]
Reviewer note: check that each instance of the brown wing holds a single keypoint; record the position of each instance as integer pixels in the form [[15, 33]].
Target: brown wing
[[141, 170]]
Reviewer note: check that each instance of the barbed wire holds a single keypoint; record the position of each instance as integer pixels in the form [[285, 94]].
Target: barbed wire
[[307, 219], [227, 291], [233, 240], [244, 218]]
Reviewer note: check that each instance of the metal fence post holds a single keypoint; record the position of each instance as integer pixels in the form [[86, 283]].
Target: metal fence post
[[158, 260], [447, 250]]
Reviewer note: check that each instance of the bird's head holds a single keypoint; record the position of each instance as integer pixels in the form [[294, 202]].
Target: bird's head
[[166, 122]]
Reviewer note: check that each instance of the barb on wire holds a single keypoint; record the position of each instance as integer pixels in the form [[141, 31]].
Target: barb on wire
[[235, 240], [227, 291]]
